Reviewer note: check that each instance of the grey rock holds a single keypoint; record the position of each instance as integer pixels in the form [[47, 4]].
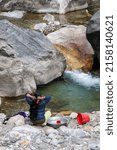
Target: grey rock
[[52, 136], [73, 115], [49, 18], [17, 120], [13, 136], [2, 117], [40, 27], [2, 148], [94, 23], [13, 14], [94, 146], [27, 59], [54, 142], [49, 131], [79, 133], [45, 6], [28, 129], [93, 33]]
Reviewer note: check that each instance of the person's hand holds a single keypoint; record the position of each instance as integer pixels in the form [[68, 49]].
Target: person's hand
[[31, 96], [40, 97]]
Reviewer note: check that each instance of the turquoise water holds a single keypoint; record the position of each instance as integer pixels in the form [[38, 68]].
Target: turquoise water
[[66, 96], [69, 94], [76, 91]]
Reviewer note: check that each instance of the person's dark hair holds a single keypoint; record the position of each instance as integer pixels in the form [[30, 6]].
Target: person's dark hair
[[37, 94]]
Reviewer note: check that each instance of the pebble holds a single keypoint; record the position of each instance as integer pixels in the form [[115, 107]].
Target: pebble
[[73, 115]]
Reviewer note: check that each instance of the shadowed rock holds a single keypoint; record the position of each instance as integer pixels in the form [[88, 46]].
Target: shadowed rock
[[93, 33]]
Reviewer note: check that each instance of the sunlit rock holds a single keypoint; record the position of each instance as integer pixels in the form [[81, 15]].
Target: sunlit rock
[[72, 42], [27, 59]]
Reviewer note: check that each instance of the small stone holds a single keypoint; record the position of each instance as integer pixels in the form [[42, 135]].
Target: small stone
[[24, 143], [40, 27], [54, 142], [17, 120], [49, 18], [73, 115], [14, 136], [52, 136], [56, 23], [97, 129], [47, 140], [88, 128], [38, 141], [65, 113], [2, 117], [51, 131], [2, 148], [94, 146]]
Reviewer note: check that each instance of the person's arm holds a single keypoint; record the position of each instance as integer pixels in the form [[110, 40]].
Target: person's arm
[[47, 99], [30, 98], [44, 99]]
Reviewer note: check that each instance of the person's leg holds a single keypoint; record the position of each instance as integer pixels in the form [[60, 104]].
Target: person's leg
[[47, 116]]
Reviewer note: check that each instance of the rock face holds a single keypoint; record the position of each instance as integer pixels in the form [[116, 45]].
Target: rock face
[[93, 33], [27, 59], [72, 42], [44, 6]]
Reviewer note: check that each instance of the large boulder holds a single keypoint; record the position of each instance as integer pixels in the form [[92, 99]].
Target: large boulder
[[44, 6], [27, 59], [93, 33], [72, 42]]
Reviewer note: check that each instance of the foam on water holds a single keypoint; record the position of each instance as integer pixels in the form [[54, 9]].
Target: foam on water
[[83, 79]]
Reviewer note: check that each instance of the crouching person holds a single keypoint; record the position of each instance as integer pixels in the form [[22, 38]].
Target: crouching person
[[37, 103]]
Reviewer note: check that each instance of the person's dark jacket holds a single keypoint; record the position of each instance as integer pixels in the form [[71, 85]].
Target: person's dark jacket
[[37, 111]]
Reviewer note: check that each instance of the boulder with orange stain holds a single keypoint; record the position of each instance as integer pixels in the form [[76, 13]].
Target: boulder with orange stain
[[71, 41]]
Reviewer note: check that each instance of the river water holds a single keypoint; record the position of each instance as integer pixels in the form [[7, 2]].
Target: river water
[[75, 91]]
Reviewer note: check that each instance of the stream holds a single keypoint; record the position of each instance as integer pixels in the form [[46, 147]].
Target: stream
[[76, 91]]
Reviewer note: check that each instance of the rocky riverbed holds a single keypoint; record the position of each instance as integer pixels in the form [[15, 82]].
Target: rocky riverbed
[[20, 135]]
